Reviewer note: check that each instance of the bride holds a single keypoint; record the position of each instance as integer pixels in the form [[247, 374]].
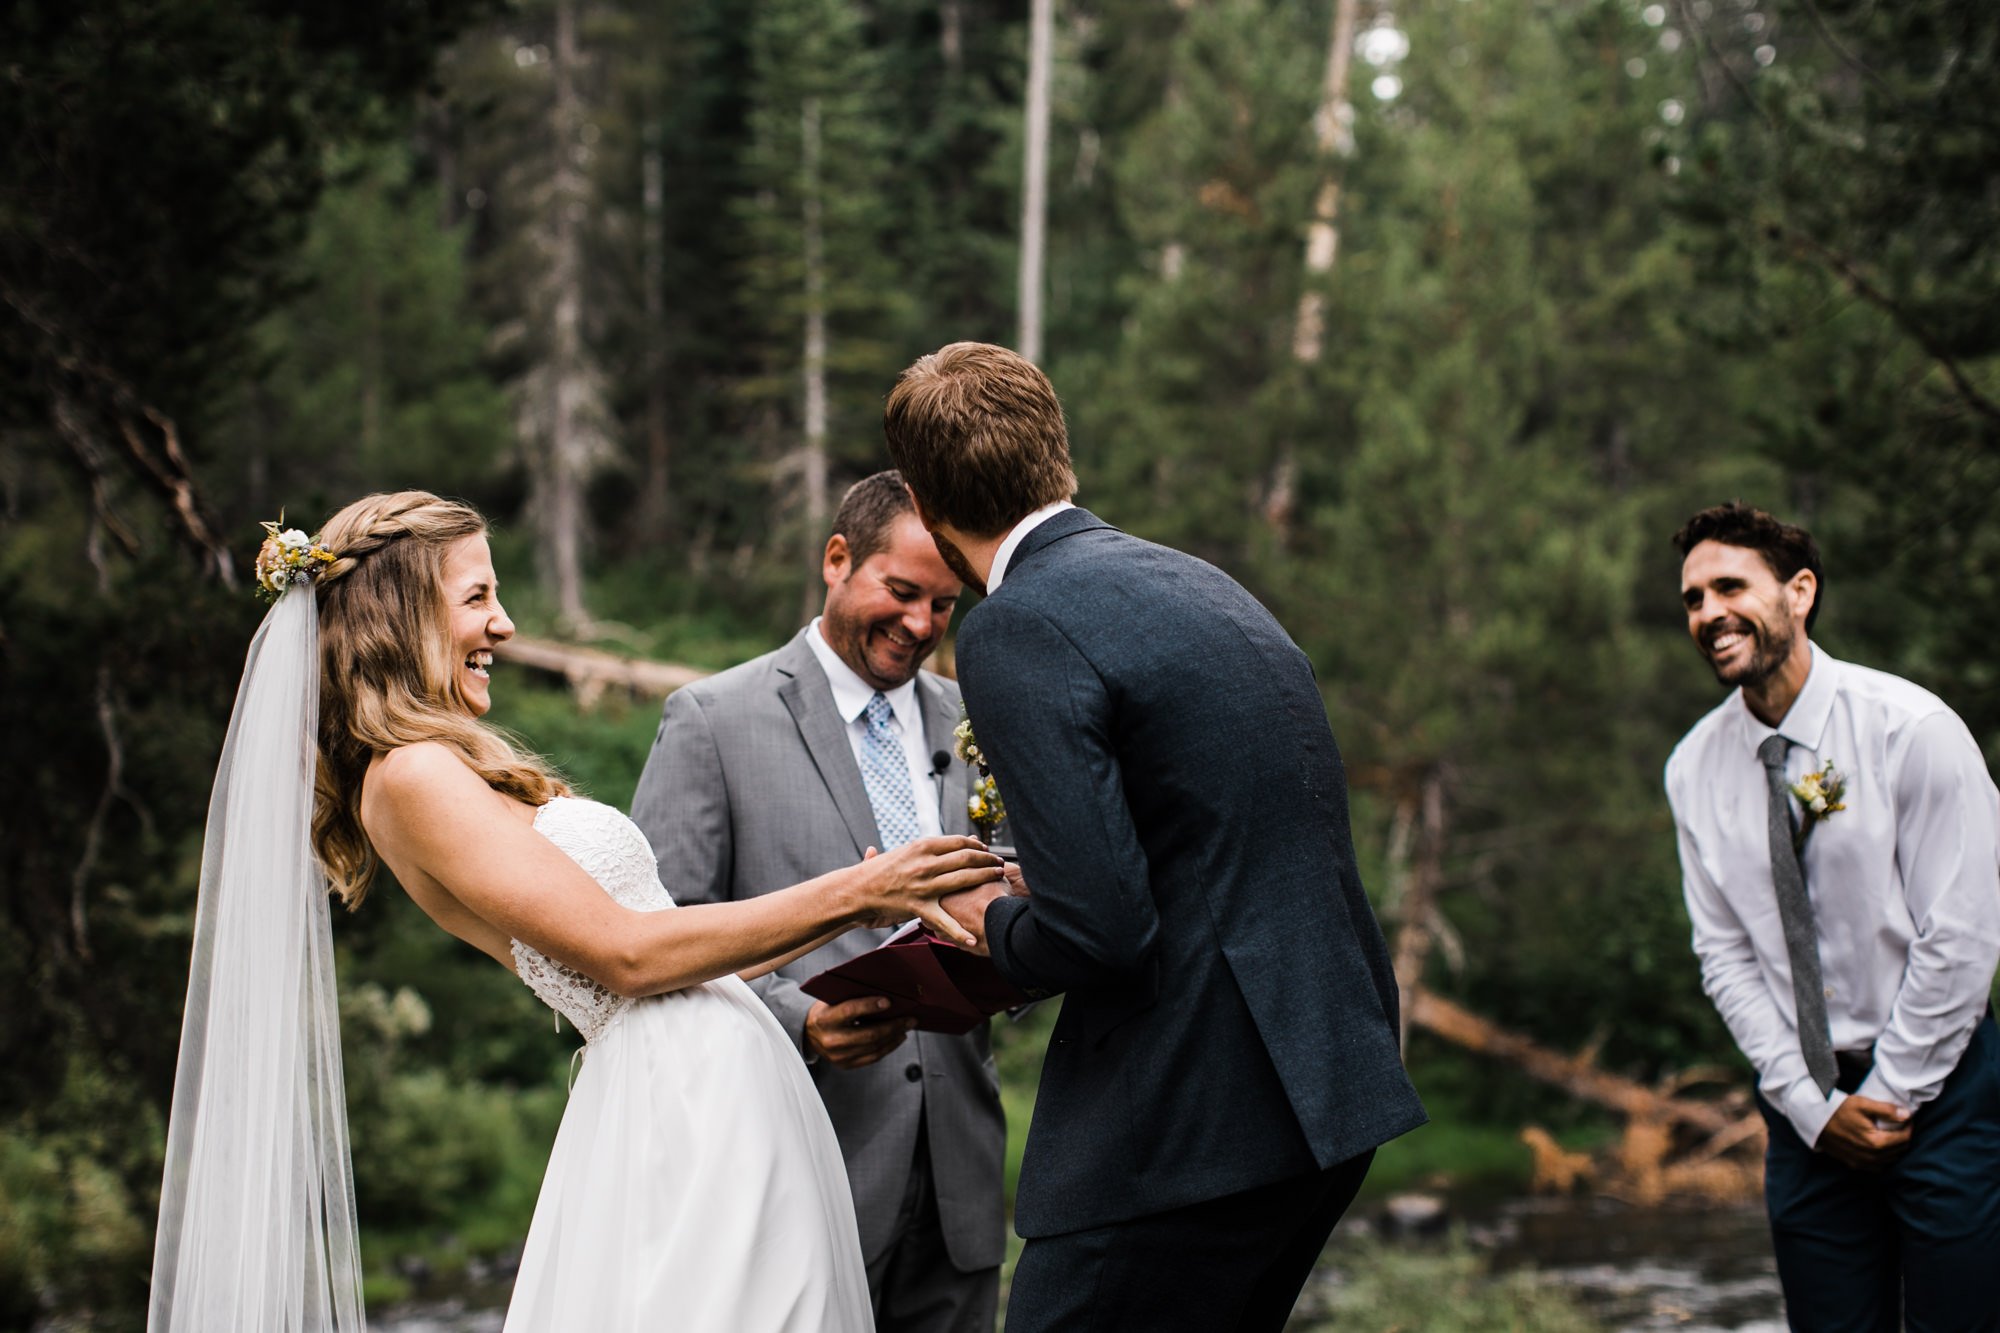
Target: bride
[[695, 1182]]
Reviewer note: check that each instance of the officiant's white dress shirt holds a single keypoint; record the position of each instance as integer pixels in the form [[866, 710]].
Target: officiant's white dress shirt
[[1905, 883], [1004, 554], [850, 698]]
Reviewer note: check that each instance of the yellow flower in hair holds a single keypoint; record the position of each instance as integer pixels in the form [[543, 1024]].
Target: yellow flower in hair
[[288, 557]]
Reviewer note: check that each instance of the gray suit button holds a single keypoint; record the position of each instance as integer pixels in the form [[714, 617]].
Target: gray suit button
[[913, 1072]]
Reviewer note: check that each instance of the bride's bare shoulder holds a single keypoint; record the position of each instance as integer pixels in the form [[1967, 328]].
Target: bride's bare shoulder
[[418, 777], [417, 768]]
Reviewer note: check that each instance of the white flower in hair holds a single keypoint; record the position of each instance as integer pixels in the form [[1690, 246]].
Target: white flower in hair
[[287, 557]]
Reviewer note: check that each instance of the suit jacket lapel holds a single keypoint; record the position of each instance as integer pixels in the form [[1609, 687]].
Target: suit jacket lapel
[[940, 719], [809, 699]]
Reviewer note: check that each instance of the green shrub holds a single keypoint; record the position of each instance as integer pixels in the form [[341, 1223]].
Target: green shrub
[[1372, 1288], [72, 1236]]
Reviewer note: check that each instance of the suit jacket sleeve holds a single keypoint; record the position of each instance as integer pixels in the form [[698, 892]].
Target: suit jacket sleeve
[[1044, 718], [682, 806]]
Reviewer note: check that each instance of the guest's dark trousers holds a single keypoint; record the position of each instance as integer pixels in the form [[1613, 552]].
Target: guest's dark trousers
[[1915, 1246], [1228, 1265]]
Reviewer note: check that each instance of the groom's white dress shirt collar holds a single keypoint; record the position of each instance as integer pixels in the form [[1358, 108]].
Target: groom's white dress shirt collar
[[1012, 543], [1905, 883], [850, 699]]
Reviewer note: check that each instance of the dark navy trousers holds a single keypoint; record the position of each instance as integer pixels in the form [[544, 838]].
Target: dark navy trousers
[[1916, 1245], [1228, 1265]]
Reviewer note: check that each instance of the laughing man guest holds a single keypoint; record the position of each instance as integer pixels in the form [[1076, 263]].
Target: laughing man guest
[[1840, 853]]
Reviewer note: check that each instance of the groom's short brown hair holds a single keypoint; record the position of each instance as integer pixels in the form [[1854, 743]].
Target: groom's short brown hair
[[978, 435]]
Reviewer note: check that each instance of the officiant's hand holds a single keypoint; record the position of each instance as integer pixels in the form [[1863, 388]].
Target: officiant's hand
[[911, 880], [1866, 1134], [855, 1033]]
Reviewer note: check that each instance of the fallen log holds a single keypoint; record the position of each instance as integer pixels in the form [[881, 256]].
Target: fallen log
[[590, 671], [1576, 1074]]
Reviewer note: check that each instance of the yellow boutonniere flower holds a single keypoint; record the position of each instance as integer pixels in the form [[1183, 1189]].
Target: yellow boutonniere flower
[[984, 805], [1819, 794]]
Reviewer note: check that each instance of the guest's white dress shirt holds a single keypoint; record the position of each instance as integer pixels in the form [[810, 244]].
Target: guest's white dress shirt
[[850, 698], [1905, 883], [1004, 555]]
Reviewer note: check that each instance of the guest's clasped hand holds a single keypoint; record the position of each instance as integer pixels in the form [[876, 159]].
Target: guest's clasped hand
[[1866, 1134]]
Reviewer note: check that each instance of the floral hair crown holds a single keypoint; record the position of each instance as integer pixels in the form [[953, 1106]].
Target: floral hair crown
[[287, 557]]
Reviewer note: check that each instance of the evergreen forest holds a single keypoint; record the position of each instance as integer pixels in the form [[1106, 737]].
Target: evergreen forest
[[1427, 320]]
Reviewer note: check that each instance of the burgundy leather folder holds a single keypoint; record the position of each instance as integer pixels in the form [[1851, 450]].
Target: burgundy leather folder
[[947, 989]]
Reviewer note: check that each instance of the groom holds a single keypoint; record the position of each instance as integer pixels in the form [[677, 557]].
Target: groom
[[1226, 1061]]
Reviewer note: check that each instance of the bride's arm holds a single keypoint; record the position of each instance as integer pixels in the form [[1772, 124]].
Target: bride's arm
[[773, 964], [433, 819]]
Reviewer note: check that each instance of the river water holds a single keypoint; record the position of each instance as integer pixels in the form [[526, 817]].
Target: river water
[[1636, 1269], [1697, 1271]]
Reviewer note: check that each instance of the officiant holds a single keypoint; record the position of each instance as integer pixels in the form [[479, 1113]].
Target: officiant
[[792, 765]]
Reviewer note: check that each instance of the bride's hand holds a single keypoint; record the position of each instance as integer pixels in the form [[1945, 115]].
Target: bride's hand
[[907, 882]]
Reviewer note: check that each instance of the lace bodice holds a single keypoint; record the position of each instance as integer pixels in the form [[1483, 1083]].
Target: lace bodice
[[613, 852]]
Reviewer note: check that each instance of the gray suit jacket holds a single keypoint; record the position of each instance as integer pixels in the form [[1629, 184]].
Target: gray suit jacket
[[752, 787]]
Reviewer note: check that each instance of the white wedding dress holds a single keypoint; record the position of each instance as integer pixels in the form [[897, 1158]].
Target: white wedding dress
[[696, 1185]]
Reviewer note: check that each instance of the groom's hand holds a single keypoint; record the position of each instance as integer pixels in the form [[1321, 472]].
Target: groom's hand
[[968, 909], [855, 1033]]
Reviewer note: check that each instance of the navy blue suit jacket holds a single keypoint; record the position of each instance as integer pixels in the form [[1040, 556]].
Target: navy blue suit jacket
[[1181, 815]]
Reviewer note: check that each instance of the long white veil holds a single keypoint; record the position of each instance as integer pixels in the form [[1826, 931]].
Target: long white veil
[[257, 1227]]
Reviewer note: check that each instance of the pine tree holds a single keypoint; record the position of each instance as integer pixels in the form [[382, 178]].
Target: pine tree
[[526, 90], [375, 372], [815, 278], [1842, 172], [1502, 426]]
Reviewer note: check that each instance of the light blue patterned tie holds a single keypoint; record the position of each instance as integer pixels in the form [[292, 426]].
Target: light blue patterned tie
[[885, 771]]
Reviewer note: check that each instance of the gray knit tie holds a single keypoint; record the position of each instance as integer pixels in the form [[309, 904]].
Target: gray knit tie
[[1788, 878]]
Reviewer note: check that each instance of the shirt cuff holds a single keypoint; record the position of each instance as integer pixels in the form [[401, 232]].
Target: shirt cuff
[[1877, 1089], [1808, 1111]]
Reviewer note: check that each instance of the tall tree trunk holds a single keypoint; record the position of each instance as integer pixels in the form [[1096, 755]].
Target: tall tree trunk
[[370, 357], [813, 460], [1414, 873], [655, 498], [562, 509], [951, 35], [1333, 127], [1035, 178]]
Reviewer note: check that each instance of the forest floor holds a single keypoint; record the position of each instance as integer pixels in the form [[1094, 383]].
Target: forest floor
[[1518, 1265]]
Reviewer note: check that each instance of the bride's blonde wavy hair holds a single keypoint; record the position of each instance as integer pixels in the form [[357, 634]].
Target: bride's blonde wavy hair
[[387, 674]]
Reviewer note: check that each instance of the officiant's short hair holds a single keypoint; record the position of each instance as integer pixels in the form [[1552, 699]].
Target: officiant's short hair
[[977, 432], [867, 516], [1786, 548]]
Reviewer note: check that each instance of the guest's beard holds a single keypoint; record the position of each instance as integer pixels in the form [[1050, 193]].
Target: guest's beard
[[1770, 646], [956, 562]]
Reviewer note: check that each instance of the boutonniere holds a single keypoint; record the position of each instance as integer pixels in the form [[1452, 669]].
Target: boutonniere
[[1819, 795], [984, 804]]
